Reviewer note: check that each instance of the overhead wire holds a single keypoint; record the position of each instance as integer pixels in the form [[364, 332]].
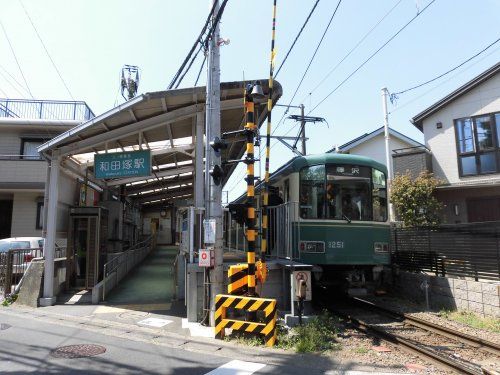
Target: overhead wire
[[200, 40], [297, 37], [201, 69], [15, 58], [396, 94], [355, 47], [46, 50], [315, 52], [372, 55], [308, 66], [443, 82]]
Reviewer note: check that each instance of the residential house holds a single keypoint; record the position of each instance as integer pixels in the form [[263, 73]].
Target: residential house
[[372, 144], [462, 134], [25, 125]]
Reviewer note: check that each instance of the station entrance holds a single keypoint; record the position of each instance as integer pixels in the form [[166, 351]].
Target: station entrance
[[135, 173]]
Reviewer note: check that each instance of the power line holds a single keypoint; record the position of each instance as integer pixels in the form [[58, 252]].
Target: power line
[[442, 83], [395, 95], [46, 51], [315, 51], [297, 37], [201, 69], [10, 83], [15, 58], [373, 55], [199, 40], [355, 47], [308, 66]]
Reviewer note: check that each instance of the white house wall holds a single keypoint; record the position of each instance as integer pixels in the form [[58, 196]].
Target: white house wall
[[24, 209], [10, 142], [375, 148], [481, 100]]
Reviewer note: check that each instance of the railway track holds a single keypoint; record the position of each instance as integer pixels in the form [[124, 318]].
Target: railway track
[[419, 336]]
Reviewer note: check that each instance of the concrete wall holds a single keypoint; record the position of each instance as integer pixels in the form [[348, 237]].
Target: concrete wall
[[481, 100], [454, 294], [24, 214]]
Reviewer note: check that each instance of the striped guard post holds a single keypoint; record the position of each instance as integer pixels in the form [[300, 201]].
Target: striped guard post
[[266, 328], [237, 275]]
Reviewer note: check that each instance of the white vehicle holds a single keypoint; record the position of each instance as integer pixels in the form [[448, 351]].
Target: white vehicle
[[31, 247]]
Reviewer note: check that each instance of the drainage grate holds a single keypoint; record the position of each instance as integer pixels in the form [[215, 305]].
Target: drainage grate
[[78, 351], [4, 326]]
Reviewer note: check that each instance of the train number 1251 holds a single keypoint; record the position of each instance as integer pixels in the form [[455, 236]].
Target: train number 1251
[[335, 244]]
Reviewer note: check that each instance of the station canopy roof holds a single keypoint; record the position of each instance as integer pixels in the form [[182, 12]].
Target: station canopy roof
[[165, 123]]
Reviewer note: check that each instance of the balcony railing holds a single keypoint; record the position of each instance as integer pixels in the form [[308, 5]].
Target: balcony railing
[[45, 109]]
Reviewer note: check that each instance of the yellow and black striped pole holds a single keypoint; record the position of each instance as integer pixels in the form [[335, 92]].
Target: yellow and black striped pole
[[250, 161], [265, 200]]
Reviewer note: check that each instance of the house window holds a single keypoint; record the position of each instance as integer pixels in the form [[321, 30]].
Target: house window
[[29, 148], [39, 215], [478, 144]]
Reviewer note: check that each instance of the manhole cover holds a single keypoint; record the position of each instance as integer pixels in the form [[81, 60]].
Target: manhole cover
[[78, 351], [4, 326]]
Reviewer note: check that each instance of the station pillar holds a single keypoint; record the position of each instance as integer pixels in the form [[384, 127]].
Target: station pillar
[[48, 298]]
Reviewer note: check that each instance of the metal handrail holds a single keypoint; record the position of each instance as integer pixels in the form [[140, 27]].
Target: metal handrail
[[46, 109], [113, 265]]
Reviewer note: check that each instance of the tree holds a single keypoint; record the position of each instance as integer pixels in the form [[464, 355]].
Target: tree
[[414, 200]]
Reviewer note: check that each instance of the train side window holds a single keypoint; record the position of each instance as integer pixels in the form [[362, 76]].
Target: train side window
[[312, 192], [379, 195]]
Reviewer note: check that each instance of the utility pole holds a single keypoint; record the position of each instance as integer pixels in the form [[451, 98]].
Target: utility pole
[[303, 126], [385, 94], [213, 205]]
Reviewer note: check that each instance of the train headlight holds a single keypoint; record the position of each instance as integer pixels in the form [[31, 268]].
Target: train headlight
[[381, 247]]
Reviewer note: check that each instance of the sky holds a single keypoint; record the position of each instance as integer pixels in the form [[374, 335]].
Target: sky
[[90, 40]]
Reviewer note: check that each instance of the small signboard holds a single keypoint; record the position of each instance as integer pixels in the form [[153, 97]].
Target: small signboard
[[206, 258], [209, 227], [122, 164]]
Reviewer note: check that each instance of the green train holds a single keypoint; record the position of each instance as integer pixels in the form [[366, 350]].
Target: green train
[[331, 211]]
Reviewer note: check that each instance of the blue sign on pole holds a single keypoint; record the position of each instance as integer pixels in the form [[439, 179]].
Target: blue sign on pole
[[123, 164]]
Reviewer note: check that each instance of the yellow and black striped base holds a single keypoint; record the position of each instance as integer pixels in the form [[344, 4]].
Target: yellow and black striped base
[[237, 283], [251, 304]]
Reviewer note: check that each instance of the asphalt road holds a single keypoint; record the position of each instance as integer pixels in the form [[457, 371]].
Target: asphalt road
[[26, 346]]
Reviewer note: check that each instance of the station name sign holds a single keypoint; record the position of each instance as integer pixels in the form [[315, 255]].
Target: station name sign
[[123, 164]]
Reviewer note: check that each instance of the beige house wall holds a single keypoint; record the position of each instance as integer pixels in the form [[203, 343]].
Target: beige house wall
[[481, 100], [375, 148], [24, 209]]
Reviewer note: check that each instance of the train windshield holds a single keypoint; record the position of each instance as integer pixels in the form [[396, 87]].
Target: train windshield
[[343, 192]]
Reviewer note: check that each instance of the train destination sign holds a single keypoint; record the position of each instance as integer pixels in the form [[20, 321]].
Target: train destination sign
[[122, 164]]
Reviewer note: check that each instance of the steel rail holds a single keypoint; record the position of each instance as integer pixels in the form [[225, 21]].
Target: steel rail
[[407, 344], [465, 338]]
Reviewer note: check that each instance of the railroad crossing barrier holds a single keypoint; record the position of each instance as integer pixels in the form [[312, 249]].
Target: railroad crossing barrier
[[248, 304]]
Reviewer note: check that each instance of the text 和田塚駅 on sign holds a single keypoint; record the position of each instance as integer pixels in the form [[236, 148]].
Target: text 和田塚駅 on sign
[[123, 164]]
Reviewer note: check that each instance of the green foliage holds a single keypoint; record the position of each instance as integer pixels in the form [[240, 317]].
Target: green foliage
[[9, 299], [414, 200], [317, 335], [473, 320], [361, 350]]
